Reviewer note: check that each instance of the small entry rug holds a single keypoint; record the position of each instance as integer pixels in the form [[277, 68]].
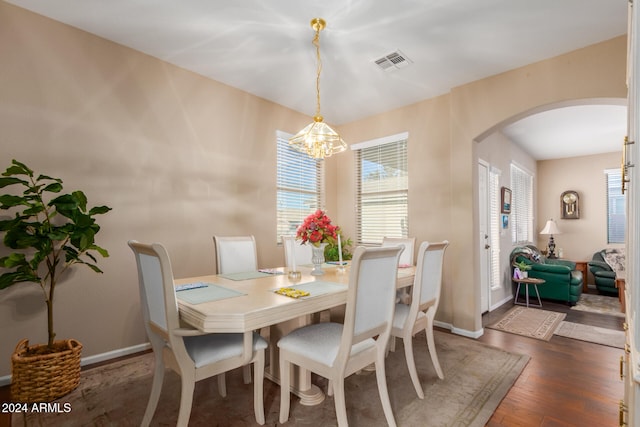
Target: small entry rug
[[593, 334], [599, 304], [529, 322]]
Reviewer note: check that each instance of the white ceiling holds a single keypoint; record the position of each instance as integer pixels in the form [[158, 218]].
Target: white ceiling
[[579, 130], [264, 46]]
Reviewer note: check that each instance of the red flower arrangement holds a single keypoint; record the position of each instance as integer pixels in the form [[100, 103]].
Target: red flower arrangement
[[317, 229]]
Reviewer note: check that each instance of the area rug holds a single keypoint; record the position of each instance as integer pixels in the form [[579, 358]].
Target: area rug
[[599, 304], [594, 334], [477, 377], [529, 322]]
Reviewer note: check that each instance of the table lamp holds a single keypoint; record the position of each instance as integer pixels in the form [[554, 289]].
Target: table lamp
[[551, 228]]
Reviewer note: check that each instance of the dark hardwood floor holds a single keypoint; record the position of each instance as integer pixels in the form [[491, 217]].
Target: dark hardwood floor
[[566, 382]]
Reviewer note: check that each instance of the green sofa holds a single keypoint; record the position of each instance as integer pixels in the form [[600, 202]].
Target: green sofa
[[562, 281], [603, 274]]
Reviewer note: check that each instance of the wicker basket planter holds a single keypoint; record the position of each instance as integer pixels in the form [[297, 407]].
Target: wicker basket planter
[[44, 377]]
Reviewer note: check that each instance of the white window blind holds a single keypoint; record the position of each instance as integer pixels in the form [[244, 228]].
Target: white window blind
[[616, 207], [521, 205], [300, 186], [494, 228], [382, 189]]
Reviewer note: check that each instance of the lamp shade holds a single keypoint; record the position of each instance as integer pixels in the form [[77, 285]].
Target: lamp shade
[[551, 228]]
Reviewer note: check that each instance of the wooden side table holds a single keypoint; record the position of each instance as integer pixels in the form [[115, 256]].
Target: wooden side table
[[526, 282], [582, 266]]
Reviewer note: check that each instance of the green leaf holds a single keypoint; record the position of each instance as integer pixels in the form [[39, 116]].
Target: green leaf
[[64, 202], [100, 250], [46, 177], [34, 209], [11, 278], [94, 268], [57, 235], [7, 224], [81, 199], [54, 187], [4, 182], [18, 169], [13, 260], [99, 210], [8, 200]]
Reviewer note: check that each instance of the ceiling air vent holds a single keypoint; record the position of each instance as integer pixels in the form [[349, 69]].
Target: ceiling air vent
[[393, 61]]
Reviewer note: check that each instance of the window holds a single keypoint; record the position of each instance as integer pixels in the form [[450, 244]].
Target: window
[[616, 210], [494, 228], [300, 186], [382, 189], [521, 205]]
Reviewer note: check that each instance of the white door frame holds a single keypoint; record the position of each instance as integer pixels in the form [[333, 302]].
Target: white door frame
[[483, 227]]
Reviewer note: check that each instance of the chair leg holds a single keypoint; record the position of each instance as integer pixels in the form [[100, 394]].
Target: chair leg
[[382, 388], [258, 387], [339, 399], [156, 388], [285, 387], [222, 385], [246, 374], [432, 346], [411, 364], [186, 400]]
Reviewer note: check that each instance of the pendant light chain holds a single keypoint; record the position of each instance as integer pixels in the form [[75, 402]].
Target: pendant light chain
[[317, 139], [316, 43]]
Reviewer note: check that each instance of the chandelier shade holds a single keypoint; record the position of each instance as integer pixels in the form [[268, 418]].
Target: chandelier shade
[[318, 139]]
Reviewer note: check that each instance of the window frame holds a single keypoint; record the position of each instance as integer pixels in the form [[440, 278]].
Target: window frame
[[616, 230], [392, 193], [287, 190], [521, 221]]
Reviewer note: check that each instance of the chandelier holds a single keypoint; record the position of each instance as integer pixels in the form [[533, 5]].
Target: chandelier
[[317, 139]]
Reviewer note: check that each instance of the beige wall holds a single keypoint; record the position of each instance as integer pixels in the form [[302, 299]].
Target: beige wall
[[499, 152], [179, 158], [443, 191], [582, 237]]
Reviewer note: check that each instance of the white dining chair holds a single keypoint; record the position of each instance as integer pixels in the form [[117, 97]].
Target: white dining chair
[[235, 254], [335, 350], [295, 251], [410, 319], [406, 259], [192, 354], [408, 243]]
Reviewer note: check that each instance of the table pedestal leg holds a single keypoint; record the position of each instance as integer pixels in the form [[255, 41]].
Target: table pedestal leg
[[301, 385]]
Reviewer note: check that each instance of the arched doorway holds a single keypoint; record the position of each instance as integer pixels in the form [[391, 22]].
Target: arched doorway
[[584, 127]]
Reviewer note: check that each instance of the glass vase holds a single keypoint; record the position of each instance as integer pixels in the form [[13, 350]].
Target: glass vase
[[317, 258]]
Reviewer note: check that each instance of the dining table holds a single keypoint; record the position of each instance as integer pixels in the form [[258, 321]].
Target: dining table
[[250, 301]]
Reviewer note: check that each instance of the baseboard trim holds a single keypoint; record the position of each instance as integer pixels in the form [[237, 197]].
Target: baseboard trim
[[501, 303], [467, 333], [458, 331], [97, 358]]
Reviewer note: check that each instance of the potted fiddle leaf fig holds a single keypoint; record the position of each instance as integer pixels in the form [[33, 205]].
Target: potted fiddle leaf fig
[[46, 233]]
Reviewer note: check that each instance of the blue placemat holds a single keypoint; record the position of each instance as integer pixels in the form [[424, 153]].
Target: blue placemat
[[318, 287], [245, 275], [209, 293]]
